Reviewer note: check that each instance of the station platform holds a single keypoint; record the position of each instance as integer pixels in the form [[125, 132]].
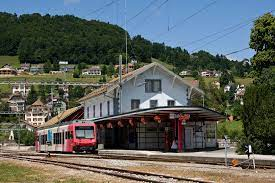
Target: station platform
[[207, 157]]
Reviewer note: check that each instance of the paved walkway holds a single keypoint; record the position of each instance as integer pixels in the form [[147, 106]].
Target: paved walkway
[[211, 154]]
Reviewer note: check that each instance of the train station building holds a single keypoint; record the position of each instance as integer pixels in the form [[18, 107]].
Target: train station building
[[149, 109]]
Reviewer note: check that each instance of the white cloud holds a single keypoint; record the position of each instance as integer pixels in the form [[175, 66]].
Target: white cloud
[[66, 2]]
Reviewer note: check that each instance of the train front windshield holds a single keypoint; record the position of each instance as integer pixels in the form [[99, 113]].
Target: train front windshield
[[84, 132]]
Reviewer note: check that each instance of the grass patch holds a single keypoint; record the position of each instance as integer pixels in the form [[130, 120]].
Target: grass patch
[[12, 60], [168, 66], [10, 172], [14, 173]]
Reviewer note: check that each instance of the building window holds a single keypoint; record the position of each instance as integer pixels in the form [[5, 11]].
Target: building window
[[100, 110], [87, 110], [153, 103], [152, 85], [108, 108], [94, 111], [170, 103], [135, 104]]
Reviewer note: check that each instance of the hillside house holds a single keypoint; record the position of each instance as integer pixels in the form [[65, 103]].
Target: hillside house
[[93, 71], [66, 68], [16, 103], [23, 89], [145, 112], [130, 67], [25, 67], [37, 68], [37, 113], [185, 73], [239, 94], [8, 70]]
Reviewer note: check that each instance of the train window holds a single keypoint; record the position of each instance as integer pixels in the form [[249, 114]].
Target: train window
[[68, 135], [85, 132], [43, 139], [57, 138]]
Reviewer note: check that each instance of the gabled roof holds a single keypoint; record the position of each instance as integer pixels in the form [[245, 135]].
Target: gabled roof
[[61, 116], [115, 82], [38, 102]]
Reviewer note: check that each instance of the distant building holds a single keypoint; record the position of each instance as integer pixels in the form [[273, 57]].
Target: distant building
[[185, 73], [23, 89], [239, 94], [229, 87], [63, 62], [130, 68], [16, 103], [67, 68], [226, 88], [28, 126], [207, 73], [59, 107], [7, 70], [217, 74], [56, 72], [93, 71], [65, 89], [37, 113], [134, 61], [37, 68], [25, 67]]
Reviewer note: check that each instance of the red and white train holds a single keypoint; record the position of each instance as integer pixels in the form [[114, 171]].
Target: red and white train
[[73, 136]]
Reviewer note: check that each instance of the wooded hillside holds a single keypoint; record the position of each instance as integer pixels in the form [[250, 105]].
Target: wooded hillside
[[38, 39]]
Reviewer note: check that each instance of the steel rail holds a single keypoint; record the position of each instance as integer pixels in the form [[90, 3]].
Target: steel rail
[[126, 174], [134, 158]]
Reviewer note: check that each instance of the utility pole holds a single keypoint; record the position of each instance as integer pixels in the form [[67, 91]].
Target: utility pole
[[120, 85], [225, 150], [126, 37], [19, 131]]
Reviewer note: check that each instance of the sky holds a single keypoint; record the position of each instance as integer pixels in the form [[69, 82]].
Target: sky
[[217, 26]]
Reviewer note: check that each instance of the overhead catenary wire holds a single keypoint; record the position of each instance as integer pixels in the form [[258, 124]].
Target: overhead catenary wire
[[228, 33], [220, 37], [101, 8], [216, 33], [151, 14], [241, 50], [142, 10], [221, 31], [186, 19]]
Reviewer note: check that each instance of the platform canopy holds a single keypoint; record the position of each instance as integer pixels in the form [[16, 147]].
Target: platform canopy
[[196, 113]]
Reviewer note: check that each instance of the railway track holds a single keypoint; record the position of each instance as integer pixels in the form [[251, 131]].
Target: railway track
[[121, 173], [95, 156]]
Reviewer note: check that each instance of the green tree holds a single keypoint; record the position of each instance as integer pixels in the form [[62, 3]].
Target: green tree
[[263, 42], [47, 67], [226, 78], [110, 70], [42, 93], [76, 92], [26, 137], [76, 73], [104, 70], [259, 118], [32, 96]]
